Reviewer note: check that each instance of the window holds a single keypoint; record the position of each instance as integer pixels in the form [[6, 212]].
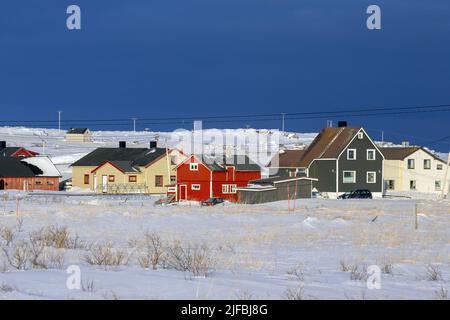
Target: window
[[173, 160], [173, 179], [38, 182], [228, 188], [159, 181], [360, 135], [411, 163], [111, 178], [193, 166], [371, 177], [390, 185], [351, 154], [195, 187], [349, 177], [427, 164], [132, 178], [438, 185], [412, 184], [439, 166], [50, 183], [86, 179], [371, 154]]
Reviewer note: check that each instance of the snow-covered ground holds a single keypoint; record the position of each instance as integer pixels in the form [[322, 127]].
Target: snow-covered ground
[[258, 251]]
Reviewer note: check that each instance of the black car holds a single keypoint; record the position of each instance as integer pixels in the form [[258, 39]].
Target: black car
[[212, 201], [357, 194]]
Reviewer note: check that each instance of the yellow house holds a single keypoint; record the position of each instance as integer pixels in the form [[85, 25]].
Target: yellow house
[[127, 170], [79, 135]]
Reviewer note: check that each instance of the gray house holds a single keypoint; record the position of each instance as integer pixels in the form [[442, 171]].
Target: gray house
[[343, 159]]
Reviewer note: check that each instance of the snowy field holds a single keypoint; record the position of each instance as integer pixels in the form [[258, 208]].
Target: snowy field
[[319, 250]]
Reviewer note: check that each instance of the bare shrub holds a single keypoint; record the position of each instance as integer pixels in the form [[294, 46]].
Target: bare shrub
[[345, 267], [58, 237], [152, 251], [442, 293], [36, 249], [7, 234], [106, 255], [56, 259], [17, 254], [197, 260], [298, 272], [87, 286], [386, 266], [110, 295], [433, 273], [19, 224], [294, 293], [358, 273], [4, 288]]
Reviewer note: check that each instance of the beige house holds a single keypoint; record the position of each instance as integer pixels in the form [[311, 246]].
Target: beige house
[[414, 169], [127, 170], [79, 135]]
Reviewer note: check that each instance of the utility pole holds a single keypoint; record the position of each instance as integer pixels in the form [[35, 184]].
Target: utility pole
[[282, 121], [59, 120], [134, 124], [444, 185]]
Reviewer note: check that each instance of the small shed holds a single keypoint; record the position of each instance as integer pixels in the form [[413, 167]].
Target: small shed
[[275, 189], [79, 135]]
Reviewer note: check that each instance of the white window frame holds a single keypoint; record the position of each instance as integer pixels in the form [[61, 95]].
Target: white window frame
[[374, 175], [415, 185], [195, 187], [427, 161], [348, 151], [360, 135], [439, 166], [387, 184], [374, 154], [229, 188], [193, 166], [354, 176], [413, 164]]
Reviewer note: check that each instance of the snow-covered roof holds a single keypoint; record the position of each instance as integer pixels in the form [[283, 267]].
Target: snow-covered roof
[[45, 164]]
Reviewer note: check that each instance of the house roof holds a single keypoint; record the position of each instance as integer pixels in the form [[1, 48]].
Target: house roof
[[10, 151], [44, 164], [77, 130], [400, 153], [239, 162], [16, 167], [287, 159], [124, 166], [136, 156], [329, 143]]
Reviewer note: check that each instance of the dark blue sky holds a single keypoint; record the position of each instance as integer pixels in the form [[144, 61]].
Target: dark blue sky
[[198, 58]]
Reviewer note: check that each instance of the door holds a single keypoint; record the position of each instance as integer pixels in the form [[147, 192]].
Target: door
[[104, 183], [183, 192], [2, 184]]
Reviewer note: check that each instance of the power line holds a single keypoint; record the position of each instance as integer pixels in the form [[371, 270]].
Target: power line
[[411, 109]]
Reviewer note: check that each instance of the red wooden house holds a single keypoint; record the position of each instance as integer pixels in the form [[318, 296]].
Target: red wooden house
[[202, 177]]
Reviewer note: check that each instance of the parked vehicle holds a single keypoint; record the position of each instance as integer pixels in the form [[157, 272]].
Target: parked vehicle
[[212, 201], [357, 194]]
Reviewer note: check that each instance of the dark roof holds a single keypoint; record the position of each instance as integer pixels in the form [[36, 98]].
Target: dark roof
[[125, 166], [136, 156], [272, 180], [328, 144], [8, 151], [240, 162], [14, 167], [77, 130], [287, 159], [400, 153]]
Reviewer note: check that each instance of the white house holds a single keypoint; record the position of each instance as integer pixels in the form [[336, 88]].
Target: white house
[[409, 169]]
